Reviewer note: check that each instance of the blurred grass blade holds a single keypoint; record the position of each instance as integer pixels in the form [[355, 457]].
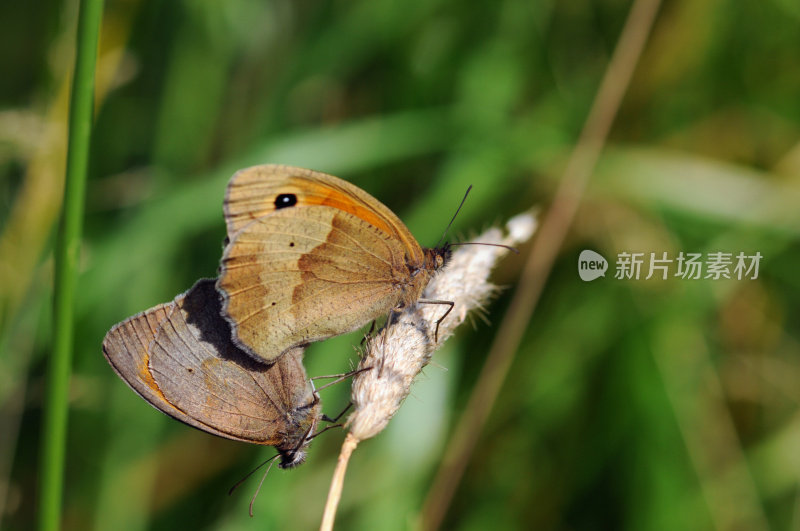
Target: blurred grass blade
[[66, 264]]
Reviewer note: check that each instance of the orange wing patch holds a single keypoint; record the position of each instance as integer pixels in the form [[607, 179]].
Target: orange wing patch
[[329, 196]]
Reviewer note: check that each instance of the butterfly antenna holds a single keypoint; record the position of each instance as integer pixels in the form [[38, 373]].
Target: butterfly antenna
[[512, 249], [454, 216], [255, 494], [236, 486]]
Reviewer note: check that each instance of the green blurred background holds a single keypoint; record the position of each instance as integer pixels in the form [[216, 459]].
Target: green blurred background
[[661, 404]]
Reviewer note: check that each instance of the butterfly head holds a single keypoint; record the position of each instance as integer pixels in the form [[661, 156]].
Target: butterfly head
[[304, 422], [438, 257], [293, 457], [295, 454]]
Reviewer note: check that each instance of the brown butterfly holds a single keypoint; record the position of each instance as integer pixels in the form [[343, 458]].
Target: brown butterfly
[[311, 256], [179, 357]]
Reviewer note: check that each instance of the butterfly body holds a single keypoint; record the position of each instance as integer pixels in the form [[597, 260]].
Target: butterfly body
[[311, 256], [179, 357]]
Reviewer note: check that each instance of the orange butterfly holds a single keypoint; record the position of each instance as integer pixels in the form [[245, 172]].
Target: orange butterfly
[[311, 256]]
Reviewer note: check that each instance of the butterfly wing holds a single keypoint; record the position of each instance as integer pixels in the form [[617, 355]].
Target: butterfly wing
[[310, 256], [179, 357], [252, 194]]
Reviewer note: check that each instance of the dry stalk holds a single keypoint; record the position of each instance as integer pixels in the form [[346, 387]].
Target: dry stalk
[[400, 350], [540, 260]]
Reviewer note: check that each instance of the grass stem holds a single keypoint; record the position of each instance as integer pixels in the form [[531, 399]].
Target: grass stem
[[56, 410]]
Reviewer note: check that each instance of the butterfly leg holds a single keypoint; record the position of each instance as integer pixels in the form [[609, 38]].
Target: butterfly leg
[[323, 430], [333, 421], [339, 378], [450, 309], [368, 334], [326, 418]]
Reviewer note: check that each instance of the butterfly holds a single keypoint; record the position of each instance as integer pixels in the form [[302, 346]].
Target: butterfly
[[310, 256], [180, 358]]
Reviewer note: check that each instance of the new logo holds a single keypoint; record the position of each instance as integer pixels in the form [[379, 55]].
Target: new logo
[[591, 265]]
